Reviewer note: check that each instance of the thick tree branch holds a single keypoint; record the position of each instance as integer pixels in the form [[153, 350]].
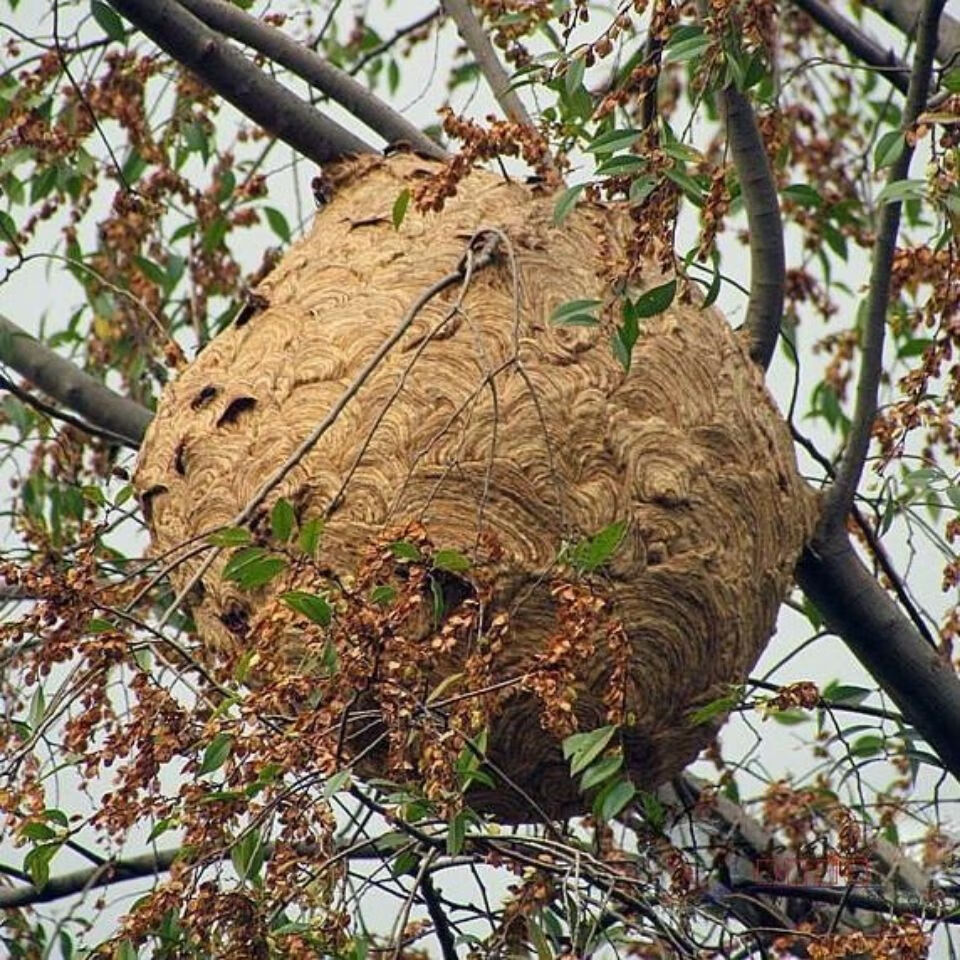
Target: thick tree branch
[[889, 65], [840, 496], [478, 42], [923, 685], [65, 382], [318, 72], [89, 878], [759, 191], [52, 413], [905, 15], [261, 98]]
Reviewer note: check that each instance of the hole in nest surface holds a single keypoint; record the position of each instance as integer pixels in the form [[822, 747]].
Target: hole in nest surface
[[147, 498], [234, 409], [204, 397]]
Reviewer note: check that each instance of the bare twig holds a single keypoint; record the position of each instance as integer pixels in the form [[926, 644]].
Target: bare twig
[[65, 382], [381, 48], [320, 73], [478, 42], [841, 493], [236, 79], [887, 63]]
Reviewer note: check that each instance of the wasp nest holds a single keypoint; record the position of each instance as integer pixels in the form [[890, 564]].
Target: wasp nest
[[486, 418]]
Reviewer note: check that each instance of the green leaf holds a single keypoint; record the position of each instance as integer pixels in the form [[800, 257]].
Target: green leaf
[[612, 141], [641, 188], [688, 48], [613, 798], [901, 190], [621, 165], [278, 223], [125, 950], [653, 810], [383, 595], [590, 555], [573, 77], [566, 202], [889, 149], [108, 21], [803, 195], [231, 537], [581, 749], [715, 708], [400, 206], [214, 234], [654, 301], [451, 561], [601, 771], [313, 607], [576, 313], [247, 855], [253, 567], [789, 718], [37, 863], [37, 831], [337, 782], [404, 550], [216, 753], [282, 520], [309, 539], [456, 833], [868, 746]]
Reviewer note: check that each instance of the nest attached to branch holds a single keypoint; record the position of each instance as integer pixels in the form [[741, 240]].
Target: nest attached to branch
[[485, 424]]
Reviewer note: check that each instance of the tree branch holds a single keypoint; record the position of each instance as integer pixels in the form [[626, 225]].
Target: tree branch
[[441, 926], [68, 384], [261, 98], [840, 495], [89, 878], [923, 685], [905, 16], [52, 413], [478, 42], [759, 191], [318, 72], [887, 63]]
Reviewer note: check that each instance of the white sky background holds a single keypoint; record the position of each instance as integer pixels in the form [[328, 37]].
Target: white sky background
[[44, 294]]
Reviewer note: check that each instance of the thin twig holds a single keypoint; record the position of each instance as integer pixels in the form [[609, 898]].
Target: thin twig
[[840, 495]]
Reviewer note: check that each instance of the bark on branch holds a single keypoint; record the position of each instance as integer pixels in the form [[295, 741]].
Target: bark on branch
[[905, 15], [68, 384], [478, 42], [226, 70], [889, 65], [767, 258], [922, 684], [841, 494], [318, 72]]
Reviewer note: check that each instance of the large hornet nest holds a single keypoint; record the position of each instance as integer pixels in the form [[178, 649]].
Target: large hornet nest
[[489, 431]]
